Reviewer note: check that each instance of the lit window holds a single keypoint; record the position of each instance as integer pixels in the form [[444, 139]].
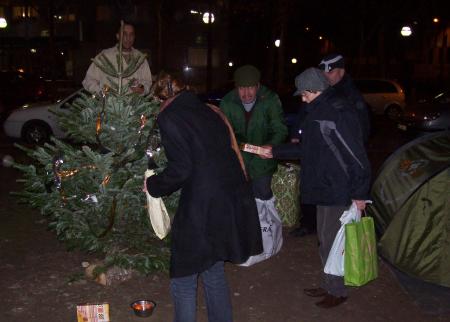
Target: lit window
[[24, 12], [68, 17]]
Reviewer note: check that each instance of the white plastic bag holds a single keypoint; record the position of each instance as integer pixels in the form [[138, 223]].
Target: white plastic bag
[[157, 212], [335, 260], [271, 230]]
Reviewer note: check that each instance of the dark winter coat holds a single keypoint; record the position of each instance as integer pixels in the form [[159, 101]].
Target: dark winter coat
[[217, 217], [265, 127], [347, 88], [334, 164]]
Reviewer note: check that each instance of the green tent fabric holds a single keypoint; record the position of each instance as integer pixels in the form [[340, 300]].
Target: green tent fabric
[[411, 208]]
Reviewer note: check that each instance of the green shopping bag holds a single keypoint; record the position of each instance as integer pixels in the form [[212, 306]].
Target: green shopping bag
[[360, 260], [285, 188]]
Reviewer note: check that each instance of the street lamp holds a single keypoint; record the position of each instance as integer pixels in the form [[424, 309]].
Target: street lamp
[[406, 31], [294, 60], [277, 43], [3, 23], [208, 17]]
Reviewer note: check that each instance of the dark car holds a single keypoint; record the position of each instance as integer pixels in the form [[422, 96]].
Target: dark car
[[214, 96], [17, 88], [291, 107], [428, 115]]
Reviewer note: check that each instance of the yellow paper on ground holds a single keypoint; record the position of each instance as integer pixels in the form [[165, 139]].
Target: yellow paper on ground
[[93, 312]]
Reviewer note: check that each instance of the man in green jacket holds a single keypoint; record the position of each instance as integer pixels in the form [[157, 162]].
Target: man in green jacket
[[256, 116]]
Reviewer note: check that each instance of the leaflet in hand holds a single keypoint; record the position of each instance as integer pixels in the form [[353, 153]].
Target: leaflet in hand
[[246, 147]]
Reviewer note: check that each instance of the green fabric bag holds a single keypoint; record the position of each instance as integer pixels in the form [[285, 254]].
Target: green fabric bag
[[360, 260], [285, 187]]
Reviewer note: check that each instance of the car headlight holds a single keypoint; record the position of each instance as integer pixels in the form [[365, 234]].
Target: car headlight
[[431, 116]]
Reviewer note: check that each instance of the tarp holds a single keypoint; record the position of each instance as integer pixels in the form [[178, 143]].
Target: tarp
[[412, 208]]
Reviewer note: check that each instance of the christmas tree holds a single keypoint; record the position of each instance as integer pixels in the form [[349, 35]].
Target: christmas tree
[[90, 186]]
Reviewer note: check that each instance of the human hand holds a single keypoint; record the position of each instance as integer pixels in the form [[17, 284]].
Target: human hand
[[266, 152], [360, 204], [139, 89]]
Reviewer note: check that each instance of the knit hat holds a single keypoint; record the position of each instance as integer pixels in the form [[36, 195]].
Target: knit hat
[[312, 79], [331, 62], [247, 75]]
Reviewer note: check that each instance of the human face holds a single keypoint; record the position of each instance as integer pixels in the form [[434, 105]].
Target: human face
[[247, 94], [128, 37], [308, 96], [335, 75]]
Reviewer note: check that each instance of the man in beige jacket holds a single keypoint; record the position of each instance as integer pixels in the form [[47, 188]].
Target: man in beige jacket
[[139, 82]]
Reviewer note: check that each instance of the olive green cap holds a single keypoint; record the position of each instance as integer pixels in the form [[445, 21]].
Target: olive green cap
[[247, 75]]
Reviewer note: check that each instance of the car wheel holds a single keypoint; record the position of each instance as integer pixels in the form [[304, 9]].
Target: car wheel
[[36, 133], [393, 112]]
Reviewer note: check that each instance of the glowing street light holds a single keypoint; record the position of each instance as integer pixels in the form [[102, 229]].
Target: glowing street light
[[207, 17], [435, 19], [3, 23], [406, 31], [294, 60], [230, 64], [277, 43]]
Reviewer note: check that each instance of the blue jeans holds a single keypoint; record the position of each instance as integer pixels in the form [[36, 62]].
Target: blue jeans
[[217, 295]]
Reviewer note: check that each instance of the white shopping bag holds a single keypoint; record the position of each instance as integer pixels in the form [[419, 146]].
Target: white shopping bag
[[157, 212], [271, 230], [335, 260]]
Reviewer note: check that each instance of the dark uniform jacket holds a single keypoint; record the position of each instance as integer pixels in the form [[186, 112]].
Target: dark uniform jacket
[[217, 217], [334, 164], [347, 88]]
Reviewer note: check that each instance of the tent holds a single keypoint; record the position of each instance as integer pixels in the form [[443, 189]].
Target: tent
[[411, 208]]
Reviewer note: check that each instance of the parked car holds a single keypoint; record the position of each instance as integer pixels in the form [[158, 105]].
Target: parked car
[[428, 115], [34, 123], [291, 107], [214, 96], [383, 96], [17, 88]]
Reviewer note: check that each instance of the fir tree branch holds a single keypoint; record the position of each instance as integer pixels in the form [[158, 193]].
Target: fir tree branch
[[112, 216]]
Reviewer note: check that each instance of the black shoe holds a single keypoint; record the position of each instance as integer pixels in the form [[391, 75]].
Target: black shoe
[[315, 292], [301, 231], [330, 301]]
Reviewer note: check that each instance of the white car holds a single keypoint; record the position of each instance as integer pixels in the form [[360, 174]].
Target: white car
[[384, 96], [34, 123]]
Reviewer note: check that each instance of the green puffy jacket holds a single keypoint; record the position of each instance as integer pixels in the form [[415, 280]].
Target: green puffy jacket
[[265, 127]]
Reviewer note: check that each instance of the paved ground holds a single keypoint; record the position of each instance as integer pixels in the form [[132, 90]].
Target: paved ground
[[41, 280]]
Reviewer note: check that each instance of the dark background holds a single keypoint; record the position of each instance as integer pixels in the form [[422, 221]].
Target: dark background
[[57, 38]]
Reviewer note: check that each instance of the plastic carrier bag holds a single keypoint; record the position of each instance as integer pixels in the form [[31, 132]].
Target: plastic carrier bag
[[271, 230], [285, 187], [335, 260]]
